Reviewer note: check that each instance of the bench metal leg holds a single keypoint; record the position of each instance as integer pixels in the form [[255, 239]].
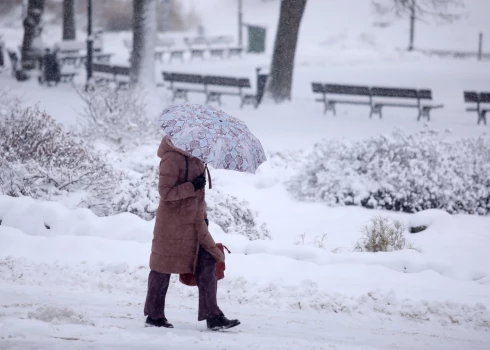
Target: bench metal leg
[[249, 100], [179, 94], [482, 117], [331, 107], [328, 106], [212, 97], [424, 112], [376, 109]]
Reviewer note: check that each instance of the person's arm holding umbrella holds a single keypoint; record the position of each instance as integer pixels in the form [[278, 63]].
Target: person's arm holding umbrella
[[168, 185]]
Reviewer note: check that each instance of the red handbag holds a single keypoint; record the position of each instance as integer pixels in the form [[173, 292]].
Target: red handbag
[[188, 278]]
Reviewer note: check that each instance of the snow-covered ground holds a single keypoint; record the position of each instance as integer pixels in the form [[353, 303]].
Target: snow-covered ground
[[72, 280]]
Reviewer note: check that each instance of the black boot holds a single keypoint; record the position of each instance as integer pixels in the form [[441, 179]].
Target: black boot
[[159, 322], [221, 322]]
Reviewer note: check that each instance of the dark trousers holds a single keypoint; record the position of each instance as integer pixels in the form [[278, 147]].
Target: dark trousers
[[206, 283]]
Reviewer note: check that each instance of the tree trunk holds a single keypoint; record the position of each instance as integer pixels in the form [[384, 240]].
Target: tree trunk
[[144, 37], [69, 28], [31, 44], [281, 75], [412, 25]]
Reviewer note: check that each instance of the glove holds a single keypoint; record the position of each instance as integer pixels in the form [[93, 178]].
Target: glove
[[199, 182], [207, 222]]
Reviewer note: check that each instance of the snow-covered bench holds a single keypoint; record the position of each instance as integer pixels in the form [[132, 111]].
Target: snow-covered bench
[[375, 97], [107, 73], [415, 100], [213, 87], [479, 99]]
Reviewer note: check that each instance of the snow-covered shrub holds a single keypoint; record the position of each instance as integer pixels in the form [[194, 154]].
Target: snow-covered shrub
[[116, 115], [383, 235], [403, 172], [137, 193], [38, 158], [235, 215]]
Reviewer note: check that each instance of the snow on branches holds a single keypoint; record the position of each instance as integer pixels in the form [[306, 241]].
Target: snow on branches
[[38, 158], [404, 172]]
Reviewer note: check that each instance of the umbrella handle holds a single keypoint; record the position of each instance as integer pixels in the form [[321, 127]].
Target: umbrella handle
[[209, 177]]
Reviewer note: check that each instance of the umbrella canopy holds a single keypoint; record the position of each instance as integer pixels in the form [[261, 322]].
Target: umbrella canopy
[[213, 136]]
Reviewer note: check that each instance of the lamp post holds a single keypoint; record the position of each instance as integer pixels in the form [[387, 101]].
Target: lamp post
[[240, 23], [90, 42]]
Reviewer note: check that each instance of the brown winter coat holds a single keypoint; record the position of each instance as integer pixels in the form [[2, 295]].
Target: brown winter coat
[[179, 225]]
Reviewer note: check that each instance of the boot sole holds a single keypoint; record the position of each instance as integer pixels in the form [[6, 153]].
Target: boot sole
[[151, 325], [216, 329]]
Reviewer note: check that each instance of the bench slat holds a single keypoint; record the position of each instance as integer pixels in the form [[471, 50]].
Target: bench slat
[[394, 92], [347, 89], [425, 94], [101, 68], [318, 87], [350, 102], [471, 96], [187, 78], [226, 81], [485, 97]]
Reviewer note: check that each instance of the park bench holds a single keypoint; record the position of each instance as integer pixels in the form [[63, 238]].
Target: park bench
[[217, 52], [108, 73], [235, 51], [227, 86], [73, 47], [176, 54], [186, 83], [213, 87], [78, 60], [218, 45], [18, 74], [416, 98], [197, 53], [376, 98], [362, 95], [478, 99]]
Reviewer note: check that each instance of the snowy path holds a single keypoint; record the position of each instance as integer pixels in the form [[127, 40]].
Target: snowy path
[[118, 323]]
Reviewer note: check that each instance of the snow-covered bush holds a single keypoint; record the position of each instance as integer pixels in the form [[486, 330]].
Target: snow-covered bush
[[137, 193], [38, 158], [235, 215], [116, 115], [383, 235], [403, 172]]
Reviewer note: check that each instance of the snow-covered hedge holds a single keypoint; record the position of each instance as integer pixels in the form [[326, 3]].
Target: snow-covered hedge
[[234, 215], [137, 193], [38, 158], [401, 172], [116, 115]]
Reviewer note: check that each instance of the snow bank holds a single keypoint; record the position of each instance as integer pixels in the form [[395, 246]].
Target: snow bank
[[50, 219], [57, 316], [110, 240], [81, 251], [305, 294]]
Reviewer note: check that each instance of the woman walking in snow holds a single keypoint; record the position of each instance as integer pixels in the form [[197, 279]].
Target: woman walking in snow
[[181, 240]]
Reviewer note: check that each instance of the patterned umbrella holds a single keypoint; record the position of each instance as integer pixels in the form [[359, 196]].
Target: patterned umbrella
[[213, 136]]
